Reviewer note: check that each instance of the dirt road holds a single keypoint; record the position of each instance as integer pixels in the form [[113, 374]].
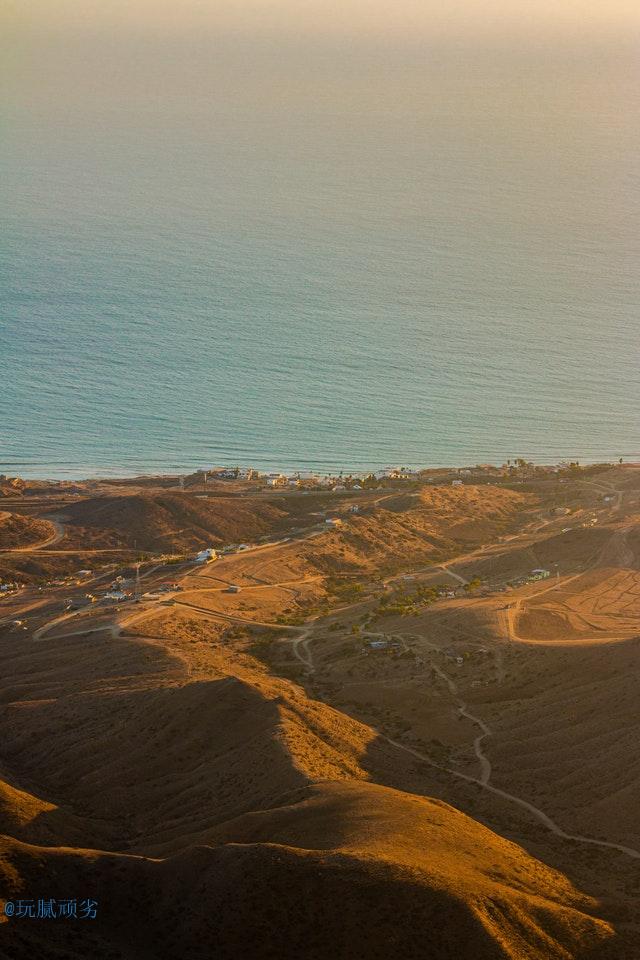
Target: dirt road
[[54, 537], [483, 780]]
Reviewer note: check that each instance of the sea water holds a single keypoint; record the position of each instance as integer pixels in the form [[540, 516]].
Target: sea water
[[333, 264]]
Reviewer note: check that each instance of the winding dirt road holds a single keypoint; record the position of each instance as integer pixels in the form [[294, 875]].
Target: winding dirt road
[[53, 538], [483, 780]]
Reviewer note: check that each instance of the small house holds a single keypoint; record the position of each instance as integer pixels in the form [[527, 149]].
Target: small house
[[206, 556], [378, 644]]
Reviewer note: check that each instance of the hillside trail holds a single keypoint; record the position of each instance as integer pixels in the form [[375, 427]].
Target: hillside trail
[[483, 781], [53, 538], [608, 488], [461, 706]]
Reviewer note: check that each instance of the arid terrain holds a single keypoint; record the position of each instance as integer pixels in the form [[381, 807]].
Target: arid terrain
[[391, 722]]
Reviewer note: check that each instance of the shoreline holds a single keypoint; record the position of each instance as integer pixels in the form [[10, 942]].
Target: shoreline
[[305, 472]]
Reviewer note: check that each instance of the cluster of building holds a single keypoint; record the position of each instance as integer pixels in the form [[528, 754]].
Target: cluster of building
[[314, 482], [210, 554], [230, 473], [483, 472], [538, 574], [9, 587], [309, 479], [517, 470], [11, 485]]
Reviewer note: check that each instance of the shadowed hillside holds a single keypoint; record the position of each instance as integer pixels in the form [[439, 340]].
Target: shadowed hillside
[[339, 869]]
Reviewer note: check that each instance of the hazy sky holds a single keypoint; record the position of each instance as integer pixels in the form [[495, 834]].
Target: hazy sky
[[404, 18]]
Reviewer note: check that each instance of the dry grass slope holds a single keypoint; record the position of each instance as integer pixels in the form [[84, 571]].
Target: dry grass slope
[[171, 521], [339, 869], [19, 531]]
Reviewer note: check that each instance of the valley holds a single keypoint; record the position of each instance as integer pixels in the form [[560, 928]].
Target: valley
[[424, 708]]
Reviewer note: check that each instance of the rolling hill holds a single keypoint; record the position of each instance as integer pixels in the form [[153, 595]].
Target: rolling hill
[[337, 869]]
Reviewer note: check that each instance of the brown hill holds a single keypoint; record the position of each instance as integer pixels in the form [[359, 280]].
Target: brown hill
[[170, 521], [278, 845], [151, 757], [339, 869], [11, 487], [214, 810], [433, 523], [21, 531], [565, 732]]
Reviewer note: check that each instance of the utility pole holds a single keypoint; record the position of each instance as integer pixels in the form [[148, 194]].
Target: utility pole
[[138, 592]]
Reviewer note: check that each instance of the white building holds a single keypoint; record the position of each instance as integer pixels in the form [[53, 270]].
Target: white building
[[206, 556], [277, 480], [395, 473]]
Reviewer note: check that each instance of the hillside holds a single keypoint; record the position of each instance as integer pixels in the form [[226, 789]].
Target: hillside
[[20, 531], [269, 762], [169, 521], [190, 734], [404, 529], [173, 745], [338, 869]]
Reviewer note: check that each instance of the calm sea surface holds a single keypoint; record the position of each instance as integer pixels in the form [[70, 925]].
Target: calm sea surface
[[400, 263]]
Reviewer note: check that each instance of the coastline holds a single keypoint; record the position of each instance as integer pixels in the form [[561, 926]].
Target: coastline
[[238, 473], [88, 474]]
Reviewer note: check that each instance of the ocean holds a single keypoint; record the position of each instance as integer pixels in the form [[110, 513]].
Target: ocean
[[329, 262]]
